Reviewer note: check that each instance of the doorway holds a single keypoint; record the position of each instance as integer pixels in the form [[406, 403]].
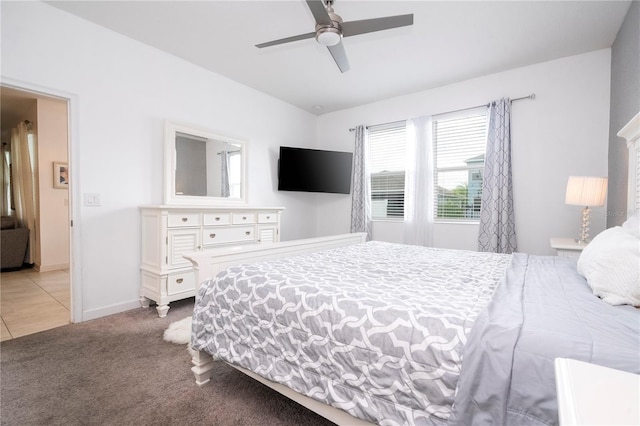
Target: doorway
[[37, 296]]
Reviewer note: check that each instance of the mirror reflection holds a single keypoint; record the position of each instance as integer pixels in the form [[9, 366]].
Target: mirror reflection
[[207, 167], [202, 168]]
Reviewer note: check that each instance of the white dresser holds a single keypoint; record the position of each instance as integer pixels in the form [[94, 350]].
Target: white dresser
[[170, 231]]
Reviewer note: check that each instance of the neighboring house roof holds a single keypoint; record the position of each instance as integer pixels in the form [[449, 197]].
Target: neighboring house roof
[[476, 159]]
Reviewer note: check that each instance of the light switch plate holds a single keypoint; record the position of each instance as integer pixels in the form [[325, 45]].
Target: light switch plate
[[92, 199]]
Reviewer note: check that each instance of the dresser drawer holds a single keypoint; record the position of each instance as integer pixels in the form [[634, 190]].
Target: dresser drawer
[[228, 235], [177, 220], [214, 219], [240, 218], [181, 282], [270, 217]]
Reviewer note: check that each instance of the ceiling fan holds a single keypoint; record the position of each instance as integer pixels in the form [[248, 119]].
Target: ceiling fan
[[330, 29]]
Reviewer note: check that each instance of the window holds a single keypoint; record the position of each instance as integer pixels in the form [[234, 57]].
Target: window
[[387, 158], [235, 174], [459, 144]]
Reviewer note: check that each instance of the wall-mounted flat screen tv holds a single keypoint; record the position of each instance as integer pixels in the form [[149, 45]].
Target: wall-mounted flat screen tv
[[314, 170]]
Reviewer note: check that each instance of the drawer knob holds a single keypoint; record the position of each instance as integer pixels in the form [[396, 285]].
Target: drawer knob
[[244, 218], [217, 219], [247, 233], [184, 219], [212, 235], [268, 217], [179, 280]]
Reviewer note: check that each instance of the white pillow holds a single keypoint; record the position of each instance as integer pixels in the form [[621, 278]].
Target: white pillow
[[632, 225], [611, 265]]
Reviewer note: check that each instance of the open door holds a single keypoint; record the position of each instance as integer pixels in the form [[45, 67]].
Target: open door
[[49, 263]]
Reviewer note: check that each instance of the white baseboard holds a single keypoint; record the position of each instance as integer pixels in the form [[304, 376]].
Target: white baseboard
[[110, 310], [49, 268]]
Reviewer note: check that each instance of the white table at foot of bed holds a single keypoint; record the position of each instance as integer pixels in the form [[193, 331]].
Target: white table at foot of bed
[[208, 264], [590, 394]]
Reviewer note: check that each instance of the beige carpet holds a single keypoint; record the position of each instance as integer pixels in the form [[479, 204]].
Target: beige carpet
[[118, 370]]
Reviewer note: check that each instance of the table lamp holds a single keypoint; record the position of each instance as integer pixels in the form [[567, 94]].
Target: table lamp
[[587, 192]]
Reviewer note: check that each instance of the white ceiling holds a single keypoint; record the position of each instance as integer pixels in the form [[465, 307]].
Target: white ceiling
[[450, 41]]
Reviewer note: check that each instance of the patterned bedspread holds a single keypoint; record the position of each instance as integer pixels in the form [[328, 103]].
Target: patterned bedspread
[[375, 329]]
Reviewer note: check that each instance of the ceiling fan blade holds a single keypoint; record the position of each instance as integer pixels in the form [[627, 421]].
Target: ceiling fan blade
[[286, 40], [340, 56], [364, 26], [319, 12]]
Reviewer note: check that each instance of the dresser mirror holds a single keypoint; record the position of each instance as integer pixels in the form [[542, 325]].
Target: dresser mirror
[[202, 168]]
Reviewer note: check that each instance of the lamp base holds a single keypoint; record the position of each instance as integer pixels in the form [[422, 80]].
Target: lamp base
[[584, 236]]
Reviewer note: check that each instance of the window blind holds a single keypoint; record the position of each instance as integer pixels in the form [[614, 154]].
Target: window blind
[[387, 163], [459, 145]]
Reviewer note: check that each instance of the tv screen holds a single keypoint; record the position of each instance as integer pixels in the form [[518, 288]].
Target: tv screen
[[314, 170]]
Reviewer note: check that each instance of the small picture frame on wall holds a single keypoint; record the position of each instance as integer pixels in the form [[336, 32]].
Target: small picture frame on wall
[[61, 175]]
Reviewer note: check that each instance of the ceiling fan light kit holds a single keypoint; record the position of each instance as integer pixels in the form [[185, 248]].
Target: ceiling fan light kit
[[329, 30], [328, 36]]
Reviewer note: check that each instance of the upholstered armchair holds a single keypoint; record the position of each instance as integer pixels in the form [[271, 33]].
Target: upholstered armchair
[[13, 244]]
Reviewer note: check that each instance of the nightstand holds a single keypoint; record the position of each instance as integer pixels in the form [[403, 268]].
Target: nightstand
[[590, 394], [567, 247]]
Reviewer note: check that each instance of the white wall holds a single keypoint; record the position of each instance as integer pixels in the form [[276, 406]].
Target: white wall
[[563, 132], [123, 91], [625, 104], [53, 229]]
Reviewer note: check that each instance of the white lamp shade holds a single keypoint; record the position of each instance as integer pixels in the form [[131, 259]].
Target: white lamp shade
[[586, 191]]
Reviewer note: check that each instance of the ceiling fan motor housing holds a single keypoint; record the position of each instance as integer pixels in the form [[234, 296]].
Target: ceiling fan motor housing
[[330, 35]]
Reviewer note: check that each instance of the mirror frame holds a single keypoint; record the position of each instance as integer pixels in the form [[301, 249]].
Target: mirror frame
[[170, 197]]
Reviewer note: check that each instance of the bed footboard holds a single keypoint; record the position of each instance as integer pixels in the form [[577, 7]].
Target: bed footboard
[[208, 263], [202, 367]]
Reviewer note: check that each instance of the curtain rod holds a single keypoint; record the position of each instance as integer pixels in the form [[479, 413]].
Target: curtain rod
[[531, 96]]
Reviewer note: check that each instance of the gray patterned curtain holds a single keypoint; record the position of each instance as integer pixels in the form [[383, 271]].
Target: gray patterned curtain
[[360, 193], [497, 223], [225, 190]]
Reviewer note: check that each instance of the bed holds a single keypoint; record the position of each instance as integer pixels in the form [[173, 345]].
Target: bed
[[372, 332]]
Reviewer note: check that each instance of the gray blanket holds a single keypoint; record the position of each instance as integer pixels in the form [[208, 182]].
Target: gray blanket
[[380, 330], [543, 310], [375, 329]]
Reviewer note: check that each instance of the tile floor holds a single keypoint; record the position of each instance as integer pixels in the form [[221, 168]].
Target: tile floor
[[32, 301]]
